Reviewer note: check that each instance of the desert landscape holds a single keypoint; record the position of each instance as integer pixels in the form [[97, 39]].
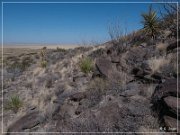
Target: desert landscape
[[128, 84]]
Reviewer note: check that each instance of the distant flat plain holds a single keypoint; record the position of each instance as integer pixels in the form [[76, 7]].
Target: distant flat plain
[[16, 50], [41, 46]]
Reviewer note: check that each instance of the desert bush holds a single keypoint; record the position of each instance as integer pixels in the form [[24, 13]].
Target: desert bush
[[43, 53], [20, 65], [60, 49], [99, 84], [162, 48], [118, 35], [44, 64], [116, 32], [26, 62], [156, 63], [150, 22], [86, 65], [169, 17], [14, 104]]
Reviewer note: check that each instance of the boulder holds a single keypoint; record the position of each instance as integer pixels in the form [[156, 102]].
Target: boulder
[[28, 121], [107, 69], [164, 101], [171, 102], [168, 88], [104, 66], [171, 123]]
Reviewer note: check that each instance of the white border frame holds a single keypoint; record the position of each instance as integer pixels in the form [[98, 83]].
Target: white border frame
[[88, 2]]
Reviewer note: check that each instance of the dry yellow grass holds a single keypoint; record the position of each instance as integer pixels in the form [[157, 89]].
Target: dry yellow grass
[[156, 63], [161, 47]]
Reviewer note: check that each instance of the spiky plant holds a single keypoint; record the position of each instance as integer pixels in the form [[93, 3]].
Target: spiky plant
[[150, 22]]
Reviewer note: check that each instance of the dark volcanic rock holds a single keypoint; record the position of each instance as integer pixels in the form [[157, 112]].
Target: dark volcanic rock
[[104, 66], [172, 46], [171, 123], [171, 102], [168, 88], [78, 96], [107, 69], [115, 59], [26, 122], [164, 101]]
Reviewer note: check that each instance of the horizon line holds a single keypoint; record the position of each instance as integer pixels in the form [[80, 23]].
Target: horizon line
[[88, 2]]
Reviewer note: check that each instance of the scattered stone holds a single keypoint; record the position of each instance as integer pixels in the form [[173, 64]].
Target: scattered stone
[[78, 96], [26, 122]]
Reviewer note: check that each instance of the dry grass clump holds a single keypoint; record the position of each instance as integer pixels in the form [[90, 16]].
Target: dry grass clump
[[173, 63], [86, 65], [161, 47], [156, 63], [148, 91], [99, 84], [14, 104]]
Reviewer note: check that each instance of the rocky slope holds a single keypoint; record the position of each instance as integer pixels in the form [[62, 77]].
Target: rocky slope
[[132, 88]]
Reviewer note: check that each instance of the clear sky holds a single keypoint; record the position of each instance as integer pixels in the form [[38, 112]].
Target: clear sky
[[67, 23]]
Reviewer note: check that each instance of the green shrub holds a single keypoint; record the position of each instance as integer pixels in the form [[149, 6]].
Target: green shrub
[[86, 65], [60, 49], [14, 104], [43, 64]]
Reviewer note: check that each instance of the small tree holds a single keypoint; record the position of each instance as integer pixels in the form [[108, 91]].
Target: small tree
[[150, 22]]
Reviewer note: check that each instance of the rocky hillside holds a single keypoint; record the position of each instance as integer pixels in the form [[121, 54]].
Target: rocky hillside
[[123, 89], [125, 86]]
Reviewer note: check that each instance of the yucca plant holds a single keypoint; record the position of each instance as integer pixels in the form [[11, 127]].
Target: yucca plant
[[14, 104], [150, 22]]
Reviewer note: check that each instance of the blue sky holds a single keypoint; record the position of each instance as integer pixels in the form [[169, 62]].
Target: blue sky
[[67, 23]]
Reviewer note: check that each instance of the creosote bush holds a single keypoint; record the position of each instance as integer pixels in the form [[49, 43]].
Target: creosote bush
[[14, 104], [86, 65]]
